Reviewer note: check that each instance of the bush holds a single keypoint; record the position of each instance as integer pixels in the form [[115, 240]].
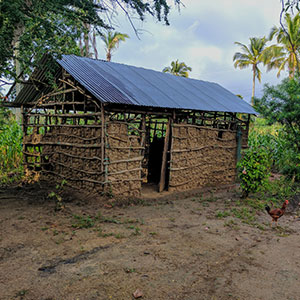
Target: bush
[[11, 157], [278, 143], [253, 170], [281, 105]]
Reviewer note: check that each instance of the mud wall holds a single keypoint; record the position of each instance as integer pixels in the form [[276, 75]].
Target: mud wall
[[123, 160], [201, 156], [71, 153]]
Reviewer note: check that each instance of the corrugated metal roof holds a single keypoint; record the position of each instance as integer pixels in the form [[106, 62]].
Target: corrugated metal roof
[[118, 83], [123, 84]]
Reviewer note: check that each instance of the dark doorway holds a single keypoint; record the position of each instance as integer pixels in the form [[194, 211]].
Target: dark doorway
[[155, 159]]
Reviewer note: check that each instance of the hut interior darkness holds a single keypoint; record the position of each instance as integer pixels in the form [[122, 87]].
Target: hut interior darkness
[[100, 129]]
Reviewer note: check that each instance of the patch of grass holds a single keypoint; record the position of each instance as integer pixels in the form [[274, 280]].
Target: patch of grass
[[222, 214], [260, 226], [119, 236], [130, 221], [244, 213], [282, 231], [137, 231], [106, 234], [211, 198], [55, 232], [104, 219], [205, 204], [254, 203], [152, 233], [21, 293], [277, 191], [232, 224], [83, 222]]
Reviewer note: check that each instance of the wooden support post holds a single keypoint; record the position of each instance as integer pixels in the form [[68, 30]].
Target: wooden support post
[[102, 137], [143, 131], [162, 182], [24, 128]]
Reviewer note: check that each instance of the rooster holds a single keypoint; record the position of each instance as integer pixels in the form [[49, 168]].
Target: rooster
[[277, 212]]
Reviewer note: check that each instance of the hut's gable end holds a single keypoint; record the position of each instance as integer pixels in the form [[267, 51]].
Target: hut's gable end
[[201, 156], [63, 139]]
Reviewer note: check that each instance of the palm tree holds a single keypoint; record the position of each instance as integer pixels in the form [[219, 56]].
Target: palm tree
[[111, 41], [288, 39], [252, 55], [178, 69]]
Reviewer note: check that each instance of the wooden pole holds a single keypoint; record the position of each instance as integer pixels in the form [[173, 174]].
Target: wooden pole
[[162, 182], [102, 137]]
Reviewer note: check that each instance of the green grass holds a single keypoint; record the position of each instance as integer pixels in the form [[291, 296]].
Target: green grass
[[83, 222], [11, 157], [222, 214]]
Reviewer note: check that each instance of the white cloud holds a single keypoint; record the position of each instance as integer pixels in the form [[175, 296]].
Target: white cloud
[[203, 35]]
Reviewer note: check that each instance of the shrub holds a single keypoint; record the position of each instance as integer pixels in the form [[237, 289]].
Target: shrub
[[253, 169], [11, 157]]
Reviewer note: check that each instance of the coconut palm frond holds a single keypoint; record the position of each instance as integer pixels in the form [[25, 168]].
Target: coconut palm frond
[[289, 40], [178, 68], [111, 42]]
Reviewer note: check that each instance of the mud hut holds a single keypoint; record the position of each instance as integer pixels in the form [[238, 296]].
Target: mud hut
[[109, 127]]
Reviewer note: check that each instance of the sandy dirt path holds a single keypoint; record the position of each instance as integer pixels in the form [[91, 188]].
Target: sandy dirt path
[[180, 248]]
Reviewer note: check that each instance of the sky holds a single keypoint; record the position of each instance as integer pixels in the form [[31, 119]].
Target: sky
[[202, 35]]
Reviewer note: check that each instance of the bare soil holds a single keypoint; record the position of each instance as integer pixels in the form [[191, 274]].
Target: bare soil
[[176, 247]]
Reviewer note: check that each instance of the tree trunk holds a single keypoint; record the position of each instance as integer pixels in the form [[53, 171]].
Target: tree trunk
[[87, 39], [108, 56], [19, 30], [253, 87], [95, 45]]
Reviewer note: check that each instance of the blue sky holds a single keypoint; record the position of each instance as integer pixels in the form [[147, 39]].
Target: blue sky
[[202, 35]]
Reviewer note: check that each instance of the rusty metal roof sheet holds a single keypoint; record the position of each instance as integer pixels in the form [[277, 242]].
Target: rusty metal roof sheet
[[123, 84]]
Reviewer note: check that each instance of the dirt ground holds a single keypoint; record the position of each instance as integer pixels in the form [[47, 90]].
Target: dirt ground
[[176, 247]]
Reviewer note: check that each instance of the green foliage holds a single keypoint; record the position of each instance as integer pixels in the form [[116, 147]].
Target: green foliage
[[288, 39], [275, 191], [244, 213], [111, 41], [11, 158], [29, 29], [178, 68], [253, 169], [281, 104], [251, 56], [222, 214], [83, 222], [59, 205]]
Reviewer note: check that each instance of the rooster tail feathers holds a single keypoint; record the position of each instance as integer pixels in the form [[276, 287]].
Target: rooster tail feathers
[[267, 208]]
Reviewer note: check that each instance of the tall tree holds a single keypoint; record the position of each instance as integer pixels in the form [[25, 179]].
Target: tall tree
[[288, 39], [251, 56], [30, 28], [178, 68], [111, 41]]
